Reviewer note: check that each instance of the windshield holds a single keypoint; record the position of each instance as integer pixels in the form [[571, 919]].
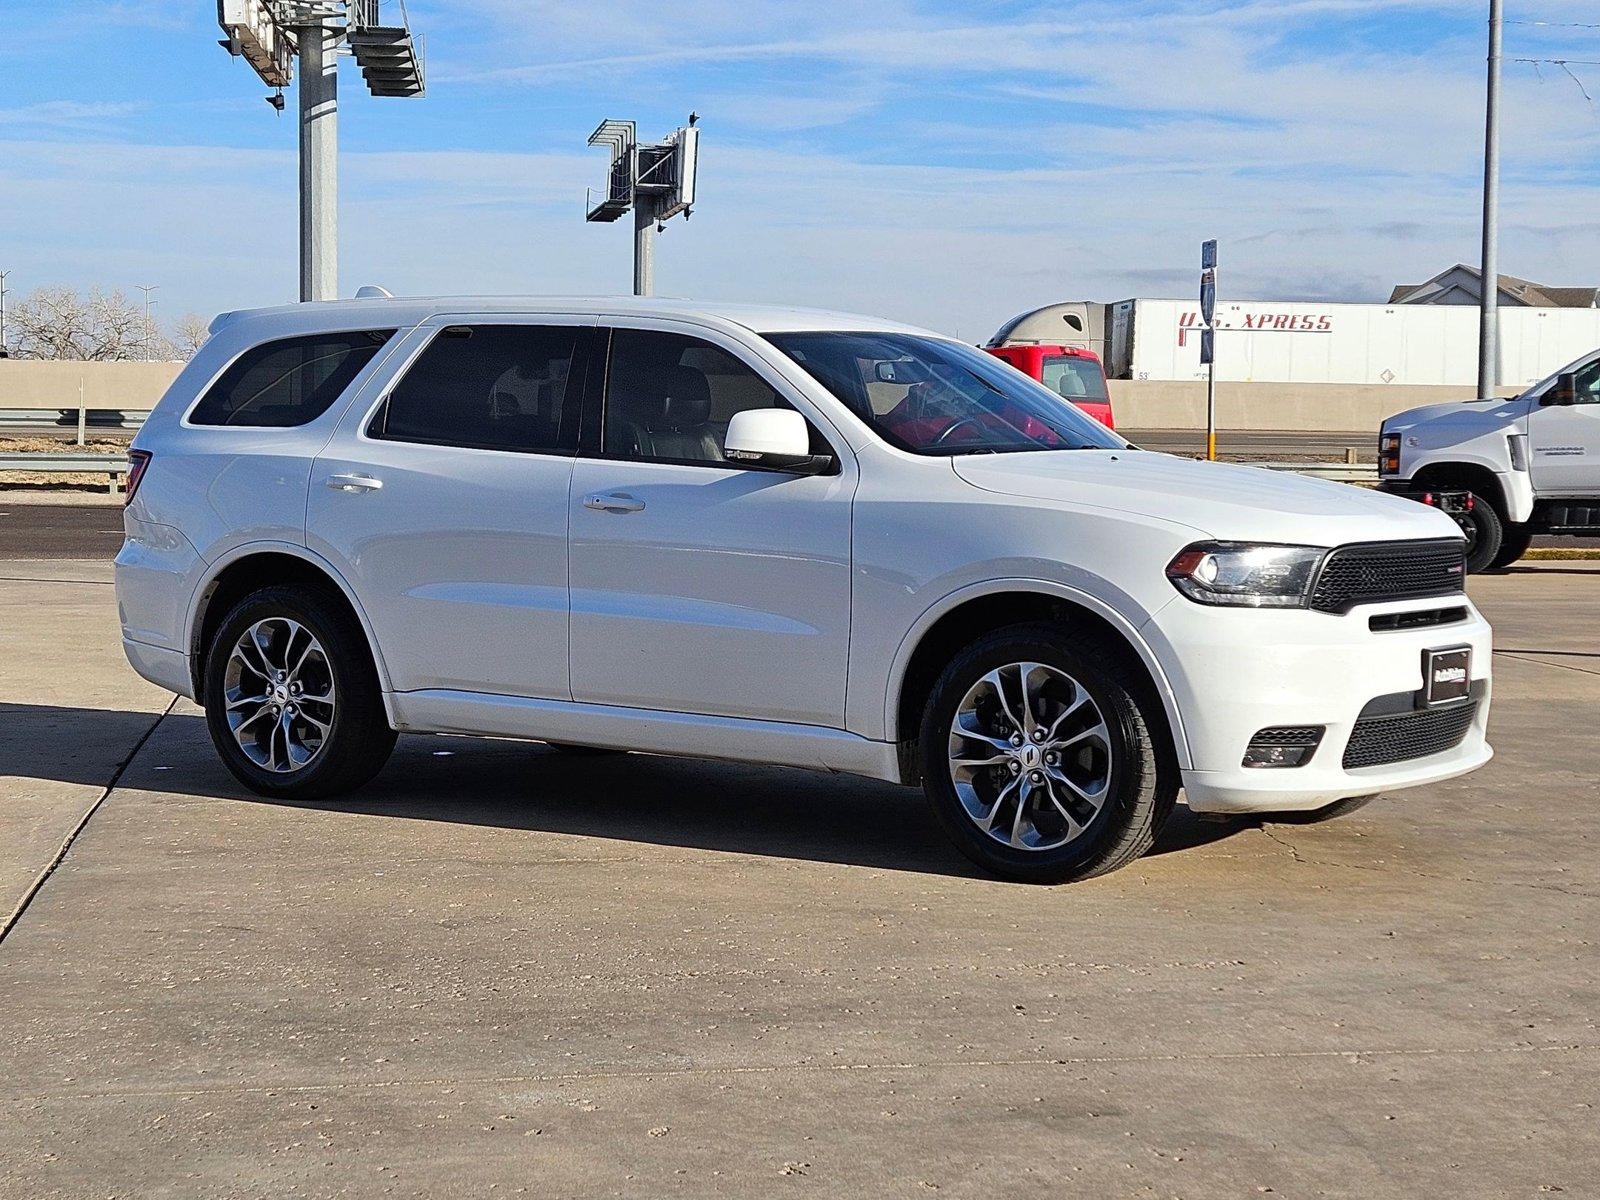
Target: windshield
[[935, 397], [1077, 379]]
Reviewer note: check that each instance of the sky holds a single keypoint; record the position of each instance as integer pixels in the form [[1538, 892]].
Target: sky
[[949, 164]]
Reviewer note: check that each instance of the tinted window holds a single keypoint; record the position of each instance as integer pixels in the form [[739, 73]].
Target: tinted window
[[495, 387], [931, 396], [671, 397], [288, 382]]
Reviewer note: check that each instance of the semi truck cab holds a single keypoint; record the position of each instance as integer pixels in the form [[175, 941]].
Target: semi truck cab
[[1506, 469]]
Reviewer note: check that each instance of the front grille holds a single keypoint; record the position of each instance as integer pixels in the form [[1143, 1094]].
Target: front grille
[[1399, 737], [1417, 619], [1375, 572]]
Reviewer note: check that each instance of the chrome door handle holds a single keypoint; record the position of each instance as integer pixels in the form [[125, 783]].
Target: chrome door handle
[[613, 502], [354, 483]]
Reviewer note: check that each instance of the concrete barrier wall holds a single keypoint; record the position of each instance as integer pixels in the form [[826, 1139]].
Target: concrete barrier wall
[[1330, 407], [1139, 403], [28, 383]]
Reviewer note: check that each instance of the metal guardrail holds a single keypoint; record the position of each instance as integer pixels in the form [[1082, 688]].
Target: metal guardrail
[[1338, 472], [67, 418], [112, 466]]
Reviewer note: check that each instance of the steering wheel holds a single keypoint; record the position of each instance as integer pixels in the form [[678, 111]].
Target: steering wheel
[[952, 427]]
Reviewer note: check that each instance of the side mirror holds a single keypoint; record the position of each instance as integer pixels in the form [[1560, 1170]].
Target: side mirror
[[772, 439], [1565, 392]]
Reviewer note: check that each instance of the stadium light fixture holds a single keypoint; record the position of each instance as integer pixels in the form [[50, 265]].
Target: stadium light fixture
[[656, 181]]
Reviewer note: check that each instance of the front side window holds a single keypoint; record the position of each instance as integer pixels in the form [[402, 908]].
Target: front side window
[[288, 382], [488, 387], [1075, 379], [1587, 371], [1587, 378], [670, 397], [930, 396]]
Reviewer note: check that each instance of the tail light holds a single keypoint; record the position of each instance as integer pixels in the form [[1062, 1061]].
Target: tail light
[[138, 460]]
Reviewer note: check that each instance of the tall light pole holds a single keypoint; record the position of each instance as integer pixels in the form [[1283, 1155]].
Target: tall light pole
[[3, 275], [319, 161], [148, 328], [654, 181], [1489, 310], [270, 35]]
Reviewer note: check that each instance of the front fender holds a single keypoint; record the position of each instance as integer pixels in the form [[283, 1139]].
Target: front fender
[[1131, 629]]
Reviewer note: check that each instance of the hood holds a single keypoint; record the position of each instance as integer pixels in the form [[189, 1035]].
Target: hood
[[1222, 500], [1476, 415]]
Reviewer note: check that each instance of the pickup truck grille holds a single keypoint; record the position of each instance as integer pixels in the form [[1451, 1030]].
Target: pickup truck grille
[[1374, 572]]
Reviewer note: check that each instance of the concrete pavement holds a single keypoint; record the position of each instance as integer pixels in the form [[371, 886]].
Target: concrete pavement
[[503, 969]]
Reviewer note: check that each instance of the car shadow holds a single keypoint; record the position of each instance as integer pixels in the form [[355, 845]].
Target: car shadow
[[639, 798]]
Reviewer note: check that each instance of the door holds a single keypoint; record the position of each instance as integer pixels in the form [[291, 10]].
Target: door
[[445, 505], [698, 586], [1565, 438]]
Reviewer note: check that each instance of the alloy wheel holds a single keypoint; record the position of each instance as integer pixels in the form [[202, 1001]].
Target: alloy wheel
[[1030, 756], [278, 693]]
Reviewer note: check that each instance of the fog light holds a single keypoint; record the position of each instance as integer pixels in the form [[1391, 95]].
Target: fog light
[[1283, 746]]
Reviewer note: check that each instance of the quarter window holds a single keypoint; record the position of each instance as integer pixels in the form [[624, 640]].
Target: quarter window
[[492, 387], [670, 397], [288, 382]]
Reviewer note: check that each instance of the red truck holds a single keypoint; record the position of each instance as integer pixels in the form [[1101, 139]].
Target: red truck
[[1066, 370]]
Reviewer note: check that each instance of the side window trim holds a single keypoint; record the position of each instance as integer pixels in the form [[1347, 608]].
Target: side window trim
[[438, 327], [591, 443]]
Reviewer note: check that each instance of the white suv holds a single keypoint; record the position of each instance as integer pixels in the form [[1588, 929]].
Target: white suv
[[775, 536]]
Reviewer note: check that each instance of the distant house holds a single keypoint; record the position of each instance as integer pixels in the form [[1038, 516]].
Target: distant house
[[1464, 285]]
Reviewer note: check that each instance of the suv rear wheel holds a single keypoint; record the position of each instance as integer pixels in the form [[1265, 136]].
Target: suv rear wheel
[[292, 699], [1037, 755]]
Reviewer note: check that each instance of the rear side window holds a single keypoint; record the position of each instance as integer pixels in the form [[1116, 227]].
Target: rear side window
[[491, 387], [288, 382]]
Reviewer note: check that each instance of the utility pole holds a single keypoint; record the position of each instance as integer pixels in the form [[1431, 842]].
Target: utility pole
[[149, 329], [3, 352], [319, 161], [1489, 311]]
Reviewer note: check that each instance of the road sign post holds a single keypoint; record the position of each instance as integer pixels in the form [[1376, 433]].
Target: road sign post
[[1208, 336]]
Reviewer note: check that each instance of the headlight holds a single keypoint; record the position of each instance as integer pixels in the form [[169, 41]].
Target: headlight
[[1245, 575], [1389, 454]]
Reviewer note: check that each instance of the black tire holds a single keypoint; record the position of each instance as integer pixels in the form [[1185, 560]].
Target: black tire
[[1514, 543], [1144, 775], [1316, 816], [359, 739], [1485, 536]]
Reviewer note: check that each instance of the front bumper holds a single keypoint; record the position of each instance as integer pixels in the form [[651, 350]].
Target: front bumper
[[1237, 671]]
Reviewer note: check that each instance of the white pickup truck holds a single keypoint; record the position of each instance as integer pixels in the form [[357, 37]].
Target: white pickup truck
[[1505, 469]]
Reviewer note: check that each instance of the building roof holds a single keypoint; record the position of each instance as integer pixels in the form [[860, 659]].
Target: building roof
[[1525, 291]]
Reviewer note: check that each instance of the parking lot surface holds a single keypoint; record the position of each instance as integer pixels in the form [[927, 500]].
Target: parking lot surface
[[499, 970]]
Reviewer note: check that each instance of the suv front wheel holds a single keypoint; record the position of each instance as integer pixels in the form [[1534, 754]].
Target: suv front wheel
[[1037, 753], [292, 699]]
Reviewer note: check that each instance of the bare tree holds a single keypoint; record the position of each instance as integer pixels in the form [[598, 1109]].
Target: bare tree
[[189, 334], [58, 322]]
